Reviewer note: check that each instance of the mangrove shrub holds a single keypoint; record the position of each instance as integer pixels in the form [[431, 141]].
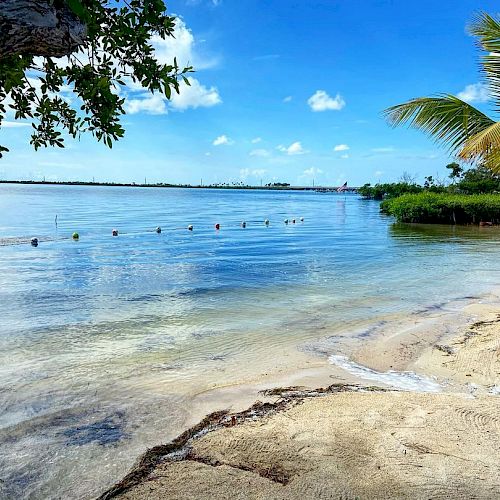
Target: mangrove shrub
[[444, 208]]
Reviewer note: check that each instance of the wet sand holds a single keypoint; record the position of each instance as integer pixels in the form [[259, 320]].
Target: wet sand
[[350, 441]]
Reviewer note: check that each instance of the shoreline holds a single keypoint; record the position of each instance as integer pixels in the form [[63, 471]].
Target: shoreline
[[178, 449], [464, 360], [332, 189]]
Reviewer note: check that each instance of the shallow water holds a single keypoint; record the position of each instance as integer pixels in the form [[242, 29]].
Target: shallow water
[[104, 341]]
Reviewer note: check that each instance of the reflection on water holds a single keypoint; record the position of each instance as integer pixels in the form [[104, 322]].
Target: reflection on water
[[104, 341], [434, 233]]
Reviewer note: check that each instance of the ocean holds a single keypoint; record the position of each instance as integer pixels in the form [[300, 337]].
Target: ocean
[[105, 341]]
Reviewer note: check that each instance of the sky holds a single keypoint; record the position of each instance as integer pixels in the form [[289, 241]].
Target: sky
[[284, 91]]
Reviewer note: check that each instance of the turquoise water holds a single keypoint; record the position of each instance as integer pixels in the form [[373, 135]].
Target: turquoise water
[[104, 341]]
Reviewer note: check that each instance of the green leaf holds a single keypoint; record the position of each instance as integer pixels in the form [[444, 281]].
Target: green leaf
[[77, 7]]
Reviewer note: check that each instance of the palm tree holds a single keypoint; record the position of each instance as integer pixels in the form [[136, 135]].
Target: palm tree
[[468, 132]]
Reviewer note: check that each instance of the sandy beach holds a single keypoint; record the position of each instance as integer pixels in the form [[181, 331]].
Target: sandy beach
[[357, 437]]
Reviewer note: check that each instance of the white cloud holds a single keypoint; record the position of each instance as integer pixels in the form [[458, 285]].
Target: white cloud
[[294, 149], [194, 96], [341, 147], [256, 140], [183, 47], [312, 171], [378, 173], [263, 153], [476, 92], [222, 140], [344, 157], [288, 98], [246, 172], [191, 96], [9, 124], [321, 101], [152, 104]]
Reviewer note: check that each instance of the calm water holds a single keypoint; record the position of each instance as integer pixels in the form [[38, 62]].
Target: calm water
[[104, 341]]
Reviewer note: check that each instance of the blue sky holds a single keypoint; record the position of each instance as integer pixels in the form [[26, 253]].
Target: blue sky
[[284, 91]]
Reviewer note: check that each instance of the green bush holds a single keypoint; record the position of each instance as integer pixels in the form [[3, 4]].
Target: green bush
[[389, 190], [440, 208]]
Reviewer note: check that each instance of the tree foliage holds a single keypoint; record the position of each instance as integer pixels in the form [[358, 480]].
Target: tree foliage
[[456, 170], [117, 50], [468, 132], [476, 180], [388, 190]]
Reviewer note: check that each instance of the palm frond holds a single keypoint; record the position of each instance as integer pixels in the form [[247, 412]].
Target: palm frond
[[482, 144], [492, 161], [446, 118], [484, 148], [487, 29]]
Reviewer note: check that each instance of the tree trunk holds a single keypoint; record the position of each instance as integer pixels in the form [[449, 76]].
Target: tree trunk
[[38, 27]]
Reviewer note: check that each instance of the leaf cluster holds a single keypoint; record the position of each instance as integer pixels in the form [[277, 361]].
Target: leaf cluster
[[118, 50]]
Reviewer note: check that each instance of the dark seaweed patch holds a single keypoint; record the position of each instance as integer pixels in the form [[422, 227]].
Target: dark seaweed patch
[[15, 485], [432, 307], [371, 330], [41, 425], [105, 432]]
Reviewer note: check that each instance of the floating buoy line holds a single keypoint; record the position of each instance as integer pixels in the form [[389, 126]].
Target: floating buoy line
[[34, 241]]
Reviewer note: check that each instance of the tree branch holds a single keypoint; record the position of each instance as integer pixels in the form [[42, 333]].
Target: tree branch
[[38, 27]]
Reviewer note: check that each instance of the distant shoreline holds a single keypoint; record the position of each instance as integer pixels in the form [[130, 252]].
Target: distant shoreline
[[185, 186]]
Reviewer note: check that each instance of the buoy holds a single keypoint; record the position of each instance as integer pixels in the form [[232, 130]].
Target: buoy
[[266, 222], [286, 221], [34, 242], [158, 229], [75, 236], [217, 226], [190, 227], [302, 219], [293, 221], [243, 224], [114, 232]]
